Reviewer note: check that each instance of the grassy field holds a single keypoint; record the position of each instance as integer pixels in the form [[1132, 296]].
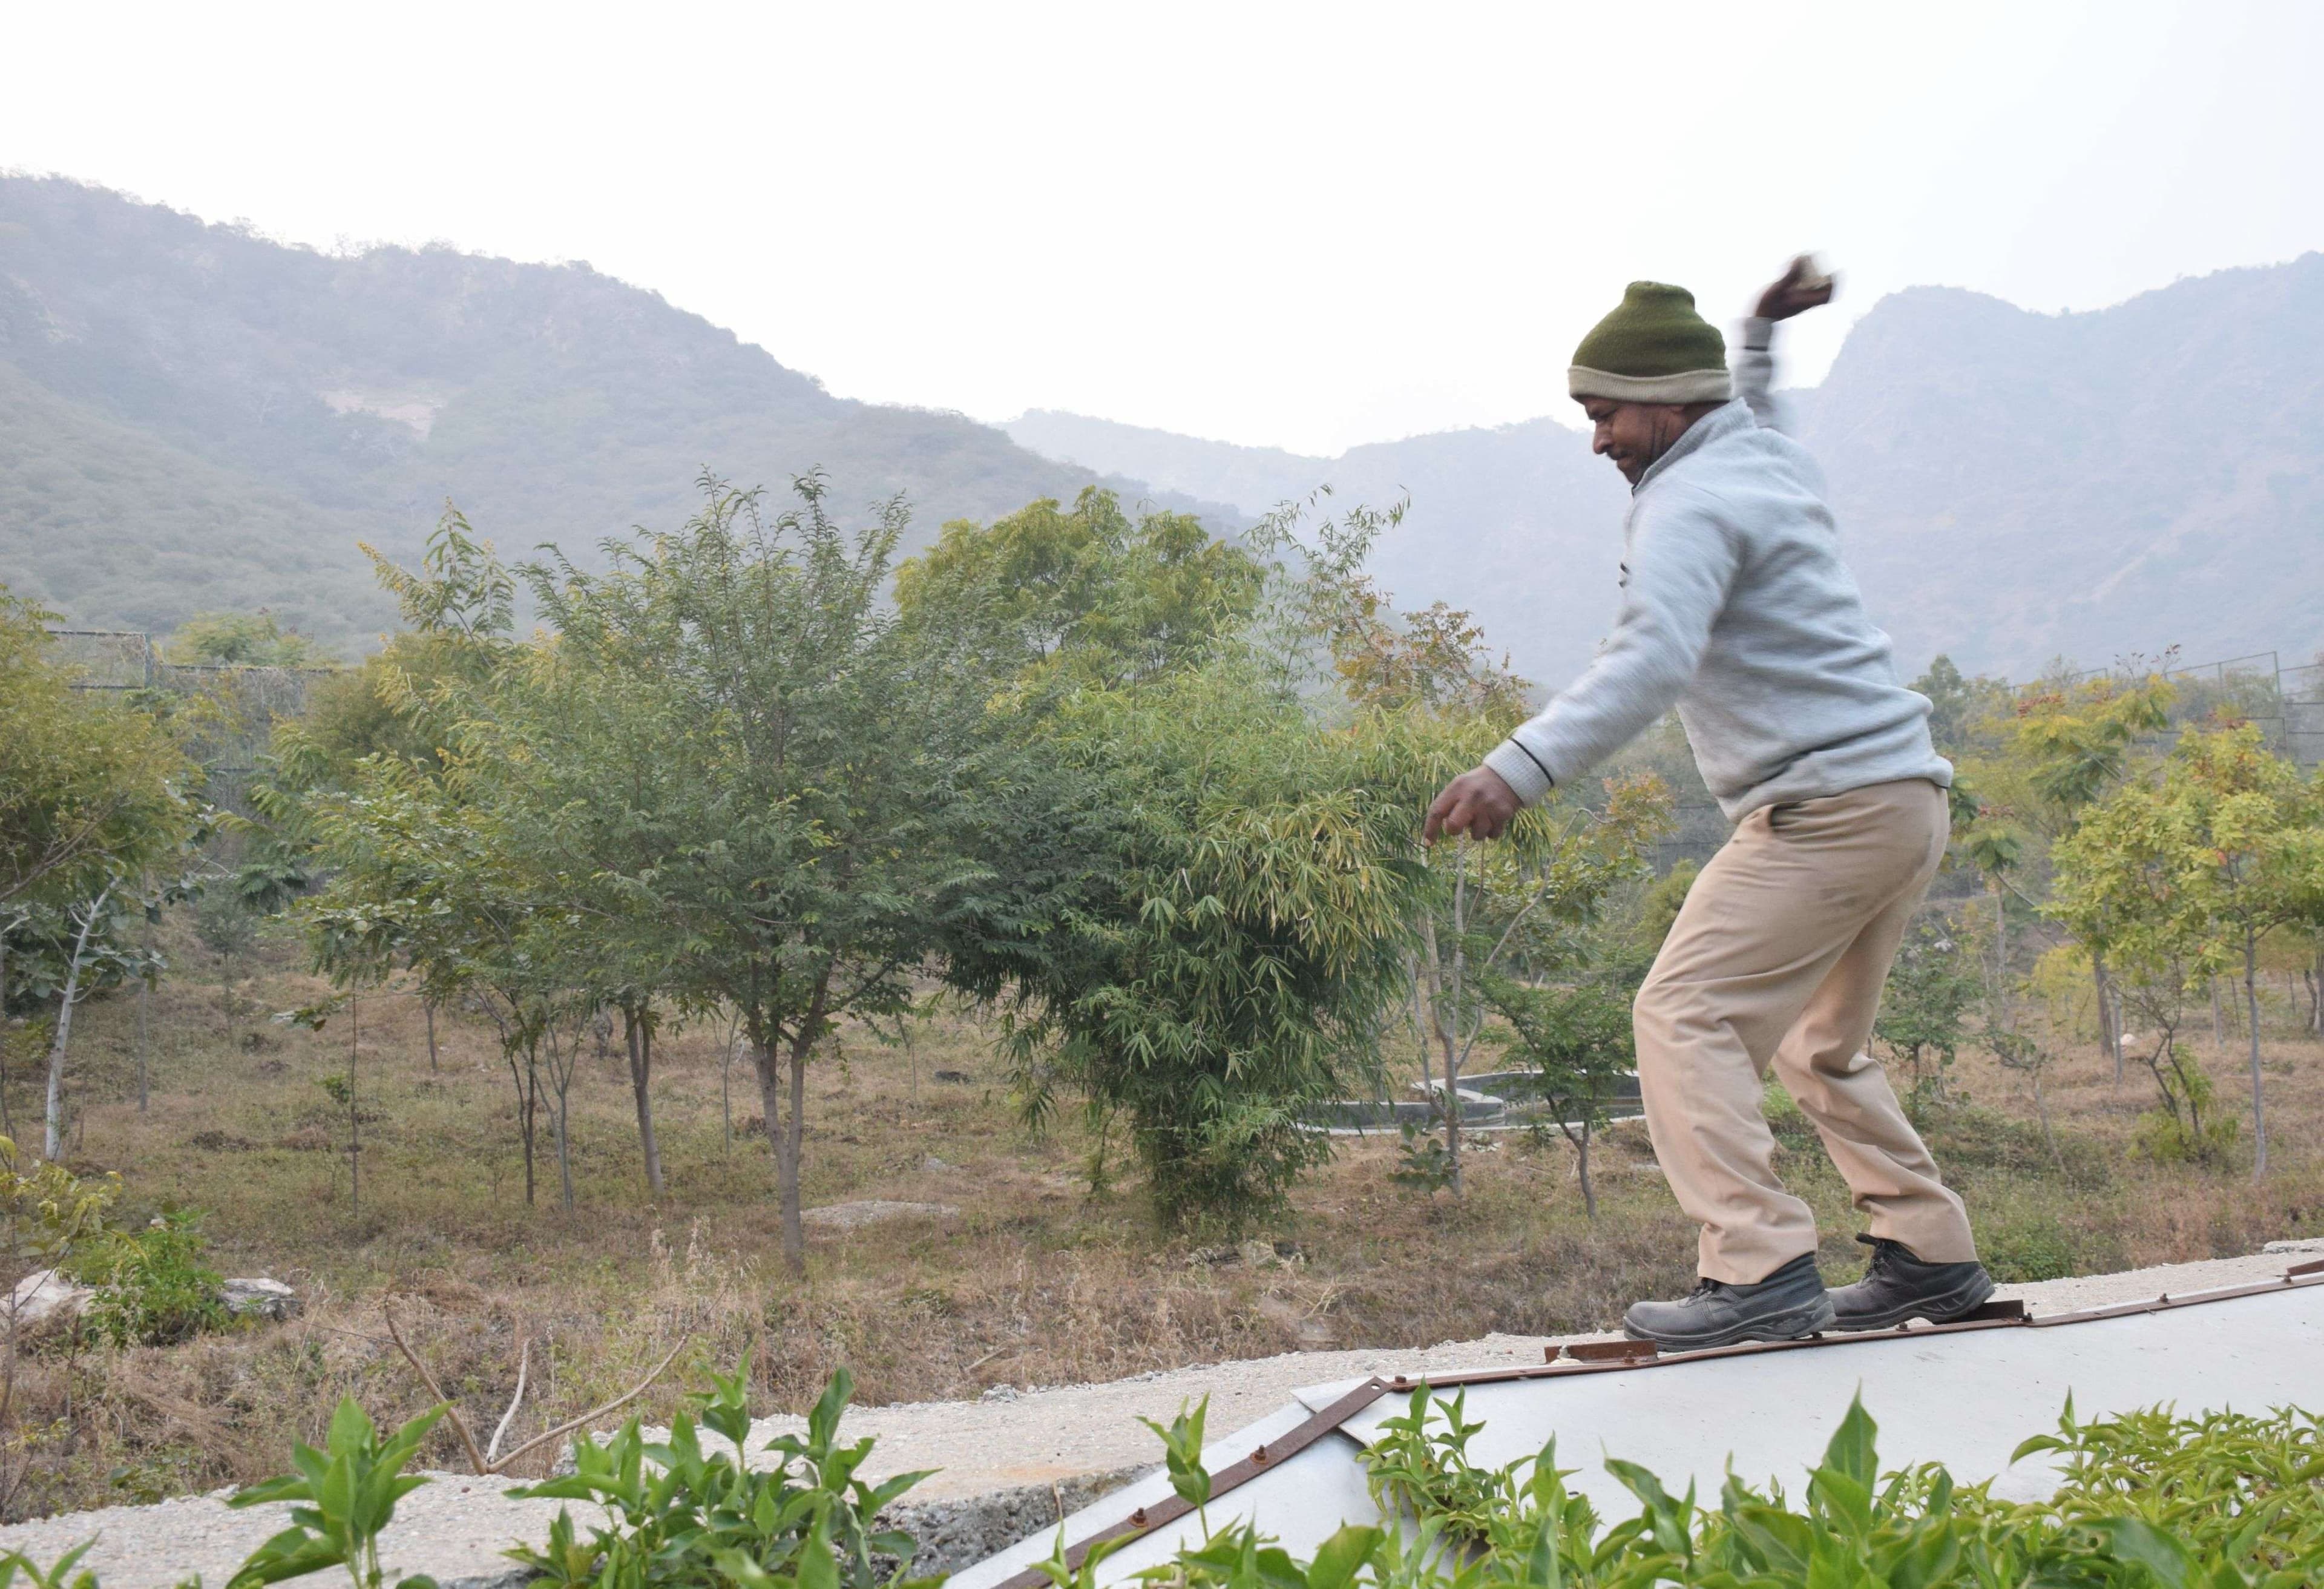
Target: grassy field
[[1031, 1279]]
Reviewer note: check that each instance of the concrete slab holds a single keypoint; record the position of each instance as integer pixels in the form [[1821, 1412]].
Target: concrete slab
[[1963, 1399]]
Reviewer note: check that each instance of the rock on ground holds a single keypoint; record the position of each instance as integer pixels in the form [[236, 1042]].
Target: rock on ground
[[848, 1216], [260, 1297], [45, 1301]]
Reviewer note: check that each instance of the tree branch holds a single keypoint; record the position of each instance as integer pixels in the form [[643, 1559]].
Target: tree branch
[[523, 1362], [459, 1424], [569, 1425]]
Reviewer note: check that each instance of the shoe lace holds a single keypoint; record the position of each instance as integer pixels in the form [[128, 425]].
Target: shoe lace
[[1883, 1254]]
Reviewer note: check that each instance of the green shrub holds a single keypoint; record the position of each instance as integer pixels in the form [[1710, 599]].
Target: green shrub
[[679, 1514], [2148, 1499], [2032, 1248], [2162, 1137], [1966, 1136], [152, 1288]]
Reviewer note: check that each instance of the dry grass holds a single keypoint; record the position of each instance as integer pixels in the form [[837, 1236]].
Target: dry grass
[[1036, 1281]]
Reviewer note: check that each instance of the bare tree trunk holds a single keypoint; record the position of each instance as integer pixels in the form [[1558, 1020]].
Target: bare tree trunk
[[1452, 1054], [638, 1033], [726, 1090], [2042, 1109], [560, 1080], [1449, 1100], [145, 1002], [526, 1076], [794, 1150], [355, 1123], [8, 1118], [2251, 1003], [2219, 1021], [1581, 1165], [429, 1006], [2109, 1022], [560, 1119], [766, 1064], [787, 1129], [54, 1116]]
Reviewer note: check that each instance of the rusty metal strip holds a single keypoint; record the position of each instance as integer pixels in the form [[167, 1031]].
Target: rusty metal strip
[[1598, 1357], [1288, 1444], [1603, 1351]]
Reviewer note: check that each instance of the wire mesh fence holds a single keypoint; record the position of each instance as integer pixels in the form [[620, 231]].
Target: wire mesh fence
[[2285, 703], [227, 710]]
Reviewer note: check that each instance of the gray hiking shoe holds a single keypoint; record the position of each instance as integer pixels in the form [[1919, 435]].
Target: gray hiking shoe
[[1898, 1286], [1786, 1306]]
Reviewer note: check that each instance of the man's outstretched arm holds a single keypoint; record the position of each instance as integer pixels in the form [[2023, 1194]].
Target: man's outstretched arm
[[1801, 287]]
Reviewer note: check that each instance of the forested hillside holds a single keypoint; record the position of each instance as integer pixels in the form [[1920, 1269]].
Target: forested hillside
[[196, 417], [2011, 486]]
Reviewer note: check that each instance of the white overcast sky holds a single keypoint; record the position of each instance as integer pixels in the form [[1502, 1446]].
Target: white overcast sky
[[1307, 226]]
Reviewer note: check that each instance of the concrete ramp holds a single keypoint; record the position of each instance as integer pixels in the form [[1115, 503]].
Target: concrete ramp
[[1963, 1394]]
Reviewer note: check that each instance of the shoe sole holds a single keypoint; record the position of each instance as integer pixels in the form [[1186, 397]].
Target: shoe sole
[[1793, 1324], [1942, 1308]]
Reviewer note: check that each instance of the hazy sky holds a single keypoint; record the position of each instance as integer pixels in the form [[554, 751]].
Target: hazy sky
[[1307, 226]]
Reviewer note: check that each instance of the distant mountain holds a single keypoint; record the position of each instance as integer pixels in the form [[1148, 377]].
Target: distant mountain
[[192, 416], [2010, 486], [1521, 525]]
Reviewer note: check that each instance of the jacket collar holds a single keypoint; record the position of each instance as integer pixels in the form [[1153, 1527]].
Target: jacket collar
[[1734, 415]]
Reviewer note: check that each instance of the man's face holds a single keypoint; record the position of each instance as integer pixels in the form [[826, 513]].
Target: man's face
[[1635, 434]]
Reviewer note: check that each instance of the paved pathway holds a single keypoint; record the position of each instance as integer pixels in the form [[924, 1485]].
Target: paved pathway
[[453, 1529]]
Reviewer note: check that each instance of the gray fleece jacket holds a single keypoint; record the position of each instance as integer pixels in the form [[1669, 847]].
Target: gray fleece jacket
[[1737, 609]]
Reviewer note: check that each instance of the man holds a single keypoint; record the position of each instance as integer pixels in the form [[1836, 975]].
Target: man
[[1737, 609]]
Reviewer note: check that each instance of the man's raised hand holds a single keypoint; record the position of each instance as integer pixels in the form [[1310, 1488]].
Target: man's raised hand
[[1801, 288], [1479, 803]]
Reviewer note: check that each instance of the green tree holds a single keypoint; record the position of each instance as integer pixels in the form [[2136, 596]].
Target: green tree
[[227, 930], [422, 867], [245, 640], [91, 788], [1081, 596], [1197, 908], [1579, 1043], [1961, 708], [91, 801], [422, 875], [1924, 1007], [792, 832], [2044, 759], [2224, 847]]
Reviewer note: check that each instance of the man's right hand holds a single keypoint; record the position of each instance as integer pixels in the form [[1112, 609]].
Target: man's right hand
[[1479, 803], [1801, 288]]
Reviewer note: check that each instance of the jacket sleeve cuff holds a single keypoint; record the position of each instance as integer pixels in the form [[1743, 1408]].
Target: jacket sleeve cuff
[[1520, 770], [1759, 334]]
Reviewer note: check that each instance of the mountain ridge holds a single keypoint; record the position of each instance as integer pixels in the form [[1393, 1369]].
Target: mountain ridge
[[363, 391], [2011, 487], [192, 416]]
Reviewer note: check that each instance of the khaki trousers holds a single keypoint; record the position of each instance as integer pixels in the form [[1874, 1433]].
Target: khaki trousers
[[1778, 956]]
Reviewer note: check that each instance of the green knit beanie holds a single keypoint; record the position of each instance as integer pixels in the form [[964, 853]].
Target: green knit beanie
[[1655, 348]]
